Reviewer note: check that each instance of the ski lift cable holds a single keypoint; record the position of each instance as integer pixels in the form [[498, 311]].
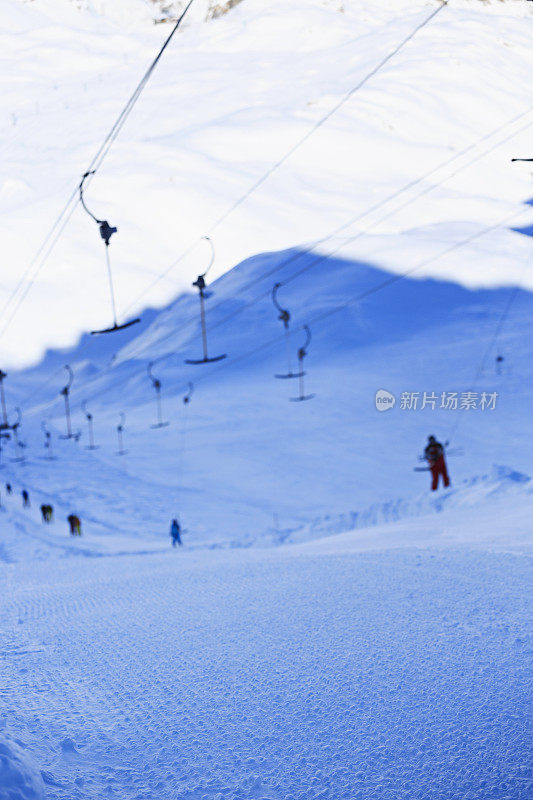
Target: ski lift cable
[[389, 281], [296, 256], [492, 341], [360, 234], [45, 249], [296, 146], [393, 279], [382, 285], [375, 289], [376, 206], [487, 351], [300, 254], [102, 152], [113, 133], [212, 259], [40, 250], [362, 295]]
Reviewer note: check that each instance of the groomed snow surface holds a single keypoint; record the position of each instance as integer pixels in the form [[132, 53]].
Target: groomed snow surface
[[330, 629], [329, 670]]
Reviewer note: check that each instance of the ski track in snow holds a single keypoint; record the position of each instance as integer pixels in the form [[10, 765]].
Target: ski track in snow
[[216, 678]]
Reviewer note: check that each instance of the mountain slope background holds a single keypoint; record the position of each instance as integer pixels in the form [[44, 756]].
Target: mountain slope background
[[218, 112]]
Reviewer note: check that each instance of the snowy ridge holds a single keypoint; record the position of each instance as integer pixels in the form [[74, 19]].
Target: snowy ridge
[[474, 493]]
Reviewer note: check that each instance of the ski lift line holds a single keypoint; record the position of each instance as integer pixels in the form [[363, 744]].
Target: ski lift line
[[201, 286], [95, 164], [410, 185], [395, 278], [383, 285], [40, 250], [362, 295], [277, 164], [493, 339], [329, 114], [212, 259], [299, 254], [376, 206], [319, 259], [126, 111], [33, 278], [351, 301], [163, 275], [360, 234]]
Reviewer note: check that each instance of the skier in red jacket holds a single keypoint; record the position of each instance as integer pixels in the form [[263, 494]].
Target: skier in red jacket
[[434, 455]]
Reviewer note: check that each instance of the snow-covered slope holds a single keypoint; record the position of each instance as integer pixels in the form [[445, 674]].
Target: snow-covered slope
[[328, 670], [227, 101], [458, 234], [330, 629], [240, 455]]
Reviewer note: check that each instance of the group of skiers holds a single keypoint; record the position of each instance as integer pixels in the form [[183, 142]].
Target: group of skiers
[[47, 511], [47, 515], [433, 455]]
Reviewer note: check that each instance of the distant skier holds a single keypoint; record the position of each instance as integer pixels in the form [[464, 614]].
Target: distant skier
[[175, 533], [9, 488], [25, 499], [75, 525], [47, 513], [434, 455]]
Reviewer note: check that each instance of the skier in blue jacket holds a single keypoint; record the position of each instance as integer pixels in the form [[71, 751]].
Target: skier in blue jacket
[[175, 533]]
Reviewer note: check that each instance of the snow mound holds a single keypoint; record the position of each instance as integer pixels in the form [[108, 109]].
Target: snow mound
[[20, 779], [472, 493]]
